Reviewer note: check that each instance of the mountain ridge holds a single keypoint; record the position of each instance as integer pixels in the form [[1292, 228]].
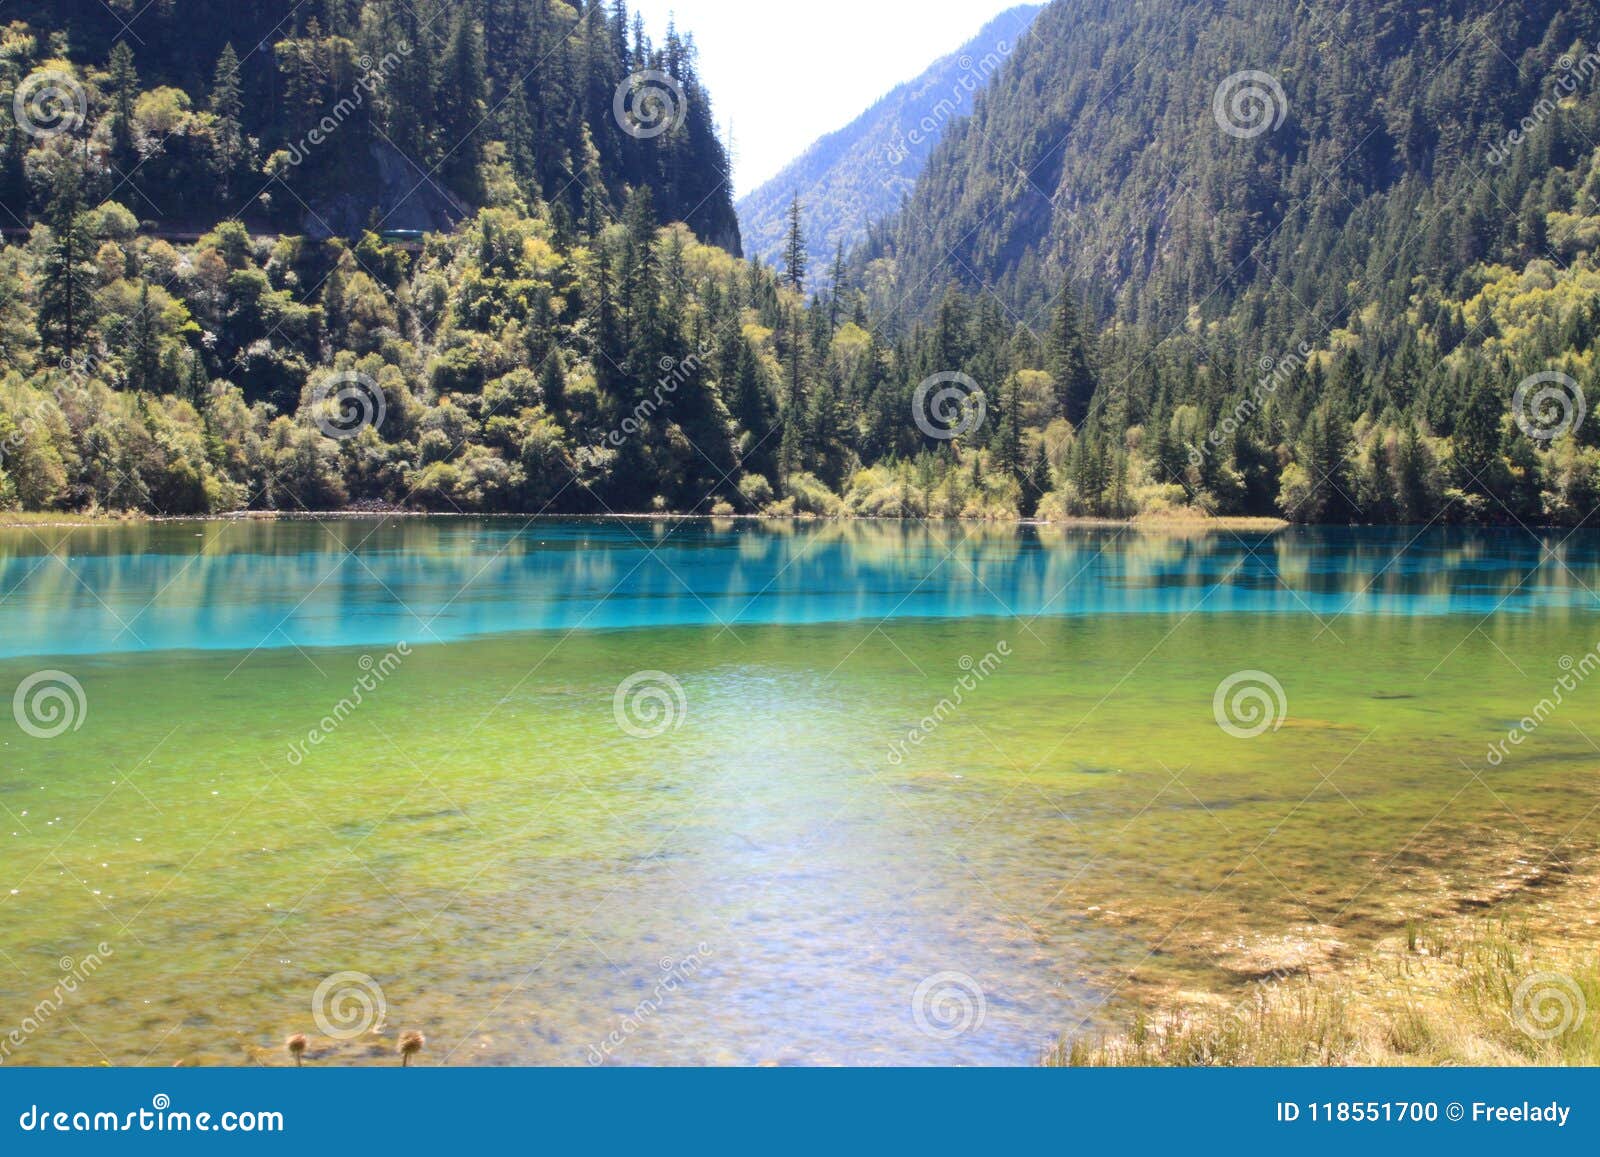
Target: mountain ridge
[[859, 173]]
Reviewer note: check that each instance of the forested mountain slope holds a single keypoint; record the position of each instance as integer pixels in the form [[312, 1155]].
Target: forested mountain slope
[[1349, 227], [859, 174], [1361, 150], [311, 116]]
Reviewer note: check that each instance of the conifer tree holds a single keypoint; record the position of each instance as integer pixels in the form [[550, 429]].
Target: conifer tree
[[66, 295], [227, 104], [463, 93], [1067, 360], [795, 259], [144, 346], [124, 81]]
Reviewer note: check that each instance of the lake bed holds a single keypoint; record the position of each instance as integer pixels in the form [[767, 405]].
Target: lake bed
[[680, 793]]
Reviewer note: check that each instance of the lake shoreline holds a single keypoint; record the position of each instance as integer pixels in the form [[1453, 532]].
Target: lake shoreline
[[51, 521], [1160, 524]]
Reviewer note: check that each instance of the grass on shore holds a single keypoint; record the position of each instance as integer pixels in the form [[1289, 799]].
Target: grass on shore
[[1483, 995], [1158, 523], [49, 518]]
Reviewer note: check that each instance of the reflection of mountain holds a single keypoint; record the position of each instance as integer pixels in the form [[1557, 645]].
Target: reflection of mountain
[[425, 581], [859, 174]]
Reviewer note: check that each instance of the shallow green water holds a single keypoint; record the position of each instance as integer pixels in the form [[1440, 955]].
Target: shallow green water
[[519, 873]]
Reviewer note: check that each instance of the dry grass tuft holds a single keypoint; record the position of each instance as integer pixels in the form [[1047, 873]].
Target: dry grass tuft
[[1484, 995]]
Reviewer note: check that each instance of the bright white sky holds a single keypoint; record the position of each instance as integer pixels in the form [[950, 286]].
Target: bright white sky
[[785, 75]]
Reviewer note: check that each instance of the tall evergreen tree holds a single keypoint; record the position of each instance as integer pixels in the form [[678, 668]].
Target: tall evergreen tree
[[1067, 360], [124, 82], [66, 295], [227, 105], [795, 259], [463, 93]]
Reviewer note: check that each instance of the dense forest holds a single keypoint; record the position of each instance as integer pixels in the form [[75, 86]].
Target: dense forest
[[480, 255]]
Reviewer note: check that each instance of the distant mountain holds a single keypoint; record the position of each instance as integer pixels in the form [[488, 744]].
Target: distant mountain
[[860, 174]]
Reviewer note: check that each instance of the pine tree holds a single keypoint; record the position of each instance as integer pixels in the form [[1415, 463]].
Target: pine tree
[[143, 362], [227, 105], [1041, 480], [198, 383], [1378, 487], [13, 175], [1476, 443], [66, 295], [1067, 360], [463, 93], [753, 410], [1008, 439], [795, 259], [952, 344], [553, 383], [124, 82], [836, 291], [792, 451], [1412, 485]]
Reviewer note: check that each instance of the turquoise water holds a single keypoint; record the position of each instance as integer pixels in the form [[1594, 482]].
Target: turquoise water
[[247, 585], [831, 860]]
